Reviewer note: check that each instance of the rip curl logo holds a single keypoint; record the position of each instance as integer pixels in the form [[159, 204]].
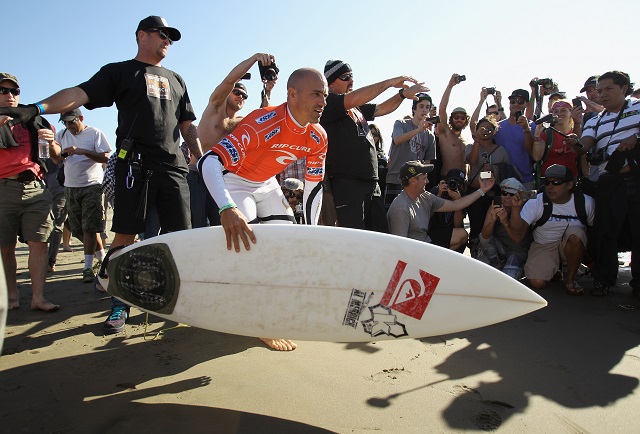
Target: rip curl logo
[[271, 134], [231, 150], [287, 158], [409, 290], [315, 137], [264, 118]]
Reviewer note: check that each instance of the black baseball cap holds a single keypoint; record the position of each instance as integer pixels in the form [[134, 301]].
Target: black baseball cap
[[156, 22], [591, 81], [69, 116], [520, 93], [414, 168]]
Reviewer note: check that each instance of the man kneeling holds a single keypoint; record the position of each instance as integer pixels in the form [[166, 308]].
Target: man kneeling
[[559, 218]]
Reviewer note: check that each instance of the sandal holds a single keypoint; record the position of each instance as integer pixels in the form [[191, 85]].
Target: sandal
[[573, 288]]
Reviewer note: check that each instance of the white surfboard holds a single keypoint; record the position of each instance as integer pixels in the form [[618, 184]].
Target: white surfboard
[[314, 283]]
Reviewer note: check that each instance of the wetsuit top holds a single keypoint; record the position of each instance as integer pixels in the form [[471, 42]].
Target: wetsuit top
[[267, 140]]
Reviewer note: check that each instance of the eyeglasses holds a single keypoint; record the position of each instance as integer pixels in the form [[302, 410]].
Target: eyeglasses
[[236, 92], [164, 35], [345, 77], [556, 182], [506, 193], [487, 129], [69, 122], [15, 91], [517, 100]]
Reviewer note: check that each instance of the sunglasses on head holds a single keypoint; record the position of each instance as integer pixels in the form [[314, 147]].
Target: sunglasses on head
[[345, 77], [13, 91], [236, 92], [506, 193], [556, 182], [517, 100], [164, 35]]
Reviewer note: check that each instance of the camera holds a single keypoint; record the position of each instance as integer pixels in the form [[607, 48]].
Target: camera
[[576, 102], [550, 118], [491, 90], [269, 72], [547, 83], [497, 200], [600, 156], [434, 120], [453, 184], [64, 154], [485, 175], [247, 76], [461, 78]]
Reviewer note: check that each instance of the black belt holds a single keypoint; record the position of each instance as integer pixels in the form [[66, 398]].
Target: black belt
[[24, 177]]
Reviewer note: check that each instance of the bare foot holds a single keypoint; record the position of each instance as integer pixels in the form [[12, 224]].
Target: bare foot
[[67, 249], [280, 344], [14, 303], [45, 306]]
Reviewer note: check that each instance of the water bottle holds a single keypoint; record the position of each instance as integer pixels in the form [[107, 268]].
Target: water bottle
[[43, 148]]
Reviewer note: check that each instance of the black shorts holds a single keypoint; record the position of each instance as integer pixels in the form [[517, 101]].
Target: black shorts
[[167, 190], [441, 237]]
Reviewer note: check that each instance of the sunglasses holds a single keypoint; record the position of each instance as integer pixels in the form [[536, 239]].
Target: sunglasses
[[69, 122], [517, 100], [487, 129], [493, 114], [292, 194], [459, 117], [164, 35], [556, 183], [345, 77], [506, 193], [6, 90], [236, 92]]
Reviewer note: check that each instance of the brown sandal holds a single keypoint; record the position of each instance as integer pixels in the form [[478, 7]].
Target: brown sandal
[[573, 288]]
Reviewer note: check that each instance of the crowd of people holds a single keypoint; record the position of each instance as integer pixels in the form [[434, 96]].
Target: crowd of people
[[539, 190]]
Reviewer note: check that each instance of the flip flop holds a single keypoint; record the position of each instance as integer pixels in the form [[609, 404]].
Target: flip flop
[[573, 288]]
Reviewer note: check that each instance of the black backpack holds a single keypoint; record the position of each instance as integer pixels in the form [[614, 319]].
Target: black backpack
[[579, 202]]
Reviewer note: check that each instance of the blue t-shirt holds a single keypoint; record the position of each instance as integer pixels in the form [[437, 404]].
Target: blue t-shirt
[[511, 138]]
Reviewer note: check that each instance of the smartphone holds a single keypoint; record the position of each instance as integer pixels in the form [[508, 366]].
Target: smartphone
[[485, 175], [577, 102], [497, 200], [531, 194], [518, 114]]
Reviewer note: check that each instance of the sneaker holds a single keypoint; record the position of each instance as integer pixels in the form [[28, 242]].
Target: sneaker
[[116, 321], [600, 289], [87, 275]]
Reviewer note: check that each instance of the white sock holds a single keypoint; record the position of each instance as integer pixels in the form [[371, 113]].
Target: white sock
[[100, 254], [88, 261]]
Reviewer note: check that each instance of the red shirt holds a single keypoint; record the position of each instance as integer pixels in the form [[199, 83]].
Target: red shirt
[[15, 160], [268, 140], [560, 153]]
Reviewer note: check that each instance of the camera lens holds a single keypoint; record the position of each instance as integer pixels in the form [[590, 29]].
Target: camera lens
[[453, 184]]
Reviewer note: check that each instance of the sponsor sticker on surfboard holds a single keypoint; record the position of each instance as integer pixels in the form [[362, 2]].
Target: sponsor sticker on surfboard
[[409, 290]]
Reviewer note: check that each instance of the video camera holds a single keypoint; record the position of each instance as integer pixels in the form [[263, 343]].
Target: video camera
[[546, 83], [550, 119]]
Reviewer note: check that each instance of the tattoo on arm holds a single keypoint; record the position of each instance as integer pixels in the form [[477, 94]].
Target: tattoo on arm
[[192, 140]]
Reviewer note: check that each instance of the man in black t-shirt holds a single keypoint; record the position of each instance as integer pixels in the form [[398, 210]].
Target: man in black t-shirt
[[352, 163], [153, 110]]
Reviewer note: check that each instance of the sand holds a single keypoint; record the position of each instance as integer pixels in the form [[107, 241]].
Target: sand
[[571, 367]]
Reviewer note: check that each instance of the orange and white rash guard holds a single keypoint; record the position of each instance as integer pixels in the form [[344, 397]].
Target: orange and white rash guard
[[261, 146]]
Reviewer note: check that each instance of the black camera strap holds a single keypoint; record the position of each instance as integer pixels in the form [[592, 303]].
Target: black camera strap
[[615, 124], [482, 165]]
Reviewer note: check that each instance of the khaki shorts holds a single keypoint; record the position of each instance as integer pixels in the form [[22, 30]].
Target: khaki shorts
[[543, 261], [24, 207]]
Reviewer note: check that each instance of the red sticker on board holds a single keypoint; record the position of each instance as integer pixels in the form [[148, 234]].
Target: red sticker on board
[[410, 290]]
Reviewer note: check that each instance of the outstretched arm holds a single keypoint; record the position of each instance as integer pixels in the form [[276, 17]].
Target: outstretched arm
[[368, 93]]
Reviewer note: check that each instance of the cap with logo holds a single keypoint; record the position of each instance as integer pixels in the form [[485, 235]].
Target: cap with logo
[[456, 174], [70, 116], [157, 22], [512, 185], [591, 81], [414, 168]]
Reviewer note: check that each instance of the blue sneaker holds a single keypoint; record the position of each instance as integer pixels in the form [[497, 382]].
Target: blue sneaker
[[116, 321]]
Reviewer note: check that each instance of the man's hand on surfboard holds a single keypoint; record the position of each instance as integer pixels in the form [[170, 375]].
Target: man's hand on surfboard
[[235, 225]]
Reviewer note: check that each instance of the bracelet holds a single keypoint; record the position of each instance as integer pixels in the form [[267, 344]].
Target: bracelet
[[537, 139], [401, 93], [40, 108], [481, 192], [226, 207]]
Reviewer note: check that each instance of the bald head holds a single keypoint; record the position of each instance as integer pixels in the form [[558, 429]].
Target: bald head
[[301, 76], [306, 95]]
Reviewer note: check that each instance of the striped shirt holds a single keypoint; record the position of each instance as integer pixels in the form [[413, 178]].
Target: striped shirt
[[608, 131]]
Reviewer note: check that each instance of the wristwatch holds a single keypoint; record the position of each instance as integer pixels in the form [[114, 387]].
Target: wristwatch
[[401, 93]]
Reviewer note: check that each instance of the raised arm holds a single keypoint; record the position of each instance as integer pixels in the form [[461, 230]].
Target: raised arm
[[476, 113], [442, 111]]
